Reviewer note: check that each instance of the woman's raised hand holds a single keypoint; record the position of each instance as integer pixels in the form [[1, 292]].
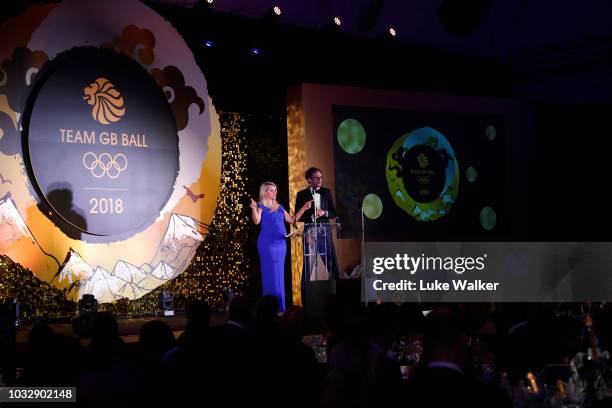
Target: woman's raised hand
[[253, 204]]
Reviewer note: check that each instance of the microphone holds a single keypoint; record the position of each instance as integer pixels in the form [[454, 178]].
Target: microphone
[[293, 229], [292, 232]]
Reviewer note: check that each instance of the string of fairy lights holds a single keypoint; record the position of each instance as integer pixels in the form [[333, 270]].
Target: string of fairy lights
[[37, 298], [220, 263]]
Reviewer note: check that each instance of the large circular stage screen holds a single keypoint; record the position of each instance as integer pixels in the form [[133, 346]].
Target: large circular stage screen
[[102, 142]]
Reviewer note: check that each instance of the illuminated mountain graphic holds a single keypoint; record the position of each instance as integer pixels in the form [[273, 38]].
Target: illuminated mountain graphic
[[174, 254]]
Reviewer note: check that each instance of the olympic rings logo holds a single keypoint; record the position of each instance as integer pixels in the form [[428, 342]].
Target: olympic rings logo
[[423, 179], [105, 164]]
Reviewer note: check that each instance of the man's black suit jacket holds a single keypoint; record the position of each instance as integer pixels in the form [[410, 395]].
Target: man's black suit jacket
[[327, 203], [444, 387]]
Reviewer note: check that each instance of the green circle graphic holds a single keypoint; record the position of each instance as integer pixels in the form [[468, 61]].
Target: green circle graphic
[[351, 136], [488, 218], [490, 133], [471, 174], [372, 206]]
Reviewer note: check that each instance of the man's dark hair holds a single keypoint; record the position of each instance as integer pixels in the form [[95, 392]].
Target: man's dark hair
[[312, 171]]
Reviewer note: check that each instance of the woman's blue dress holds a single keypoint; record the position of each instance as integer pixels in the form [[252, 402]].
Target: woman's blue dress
[[272, 248]]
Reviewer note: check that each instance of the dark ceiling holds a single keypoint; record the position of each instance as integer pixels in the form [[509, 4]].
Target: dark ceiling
[[541, 51], [535, 50], [508, 28]]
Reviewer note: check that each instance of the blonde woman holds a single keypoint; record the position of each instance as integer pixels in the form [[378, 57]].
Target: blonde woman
[[271, 243]]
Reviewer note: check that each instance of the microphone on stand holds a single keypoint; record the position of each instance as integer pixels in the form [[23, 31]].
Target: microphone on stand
[[293, 229]]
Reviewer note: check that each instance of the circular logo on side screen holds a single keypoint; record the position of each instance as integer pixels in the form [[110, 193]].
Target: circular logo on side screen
[[423, 174], [102, 143]]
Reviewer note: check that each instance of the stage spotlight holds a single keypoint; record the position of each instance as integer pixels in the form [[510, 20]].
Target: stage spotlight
[[8, 323], [208, 43], [272, 14], [255, 51], [228, 295], [82, 324], [204, 5], [165, 303], [88, 304], [14, 308], [392, 32], [334, 24]]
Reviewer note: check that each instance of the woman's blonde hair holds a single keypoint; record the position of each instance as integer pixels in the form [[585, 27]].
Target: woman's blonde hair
[[262, 190]]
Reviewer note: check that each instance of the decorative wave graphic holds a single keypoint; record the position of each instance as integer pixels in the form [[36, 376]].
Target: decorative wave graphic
[[108, 106]]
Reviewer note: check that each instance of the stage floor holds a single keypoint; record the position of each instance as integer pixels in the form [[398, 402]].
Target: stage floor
[[129, 328]]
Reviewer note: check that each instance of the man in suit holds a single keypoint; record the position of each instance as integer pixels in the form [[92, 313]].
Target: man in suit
[[439, 380], [322, 214]]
